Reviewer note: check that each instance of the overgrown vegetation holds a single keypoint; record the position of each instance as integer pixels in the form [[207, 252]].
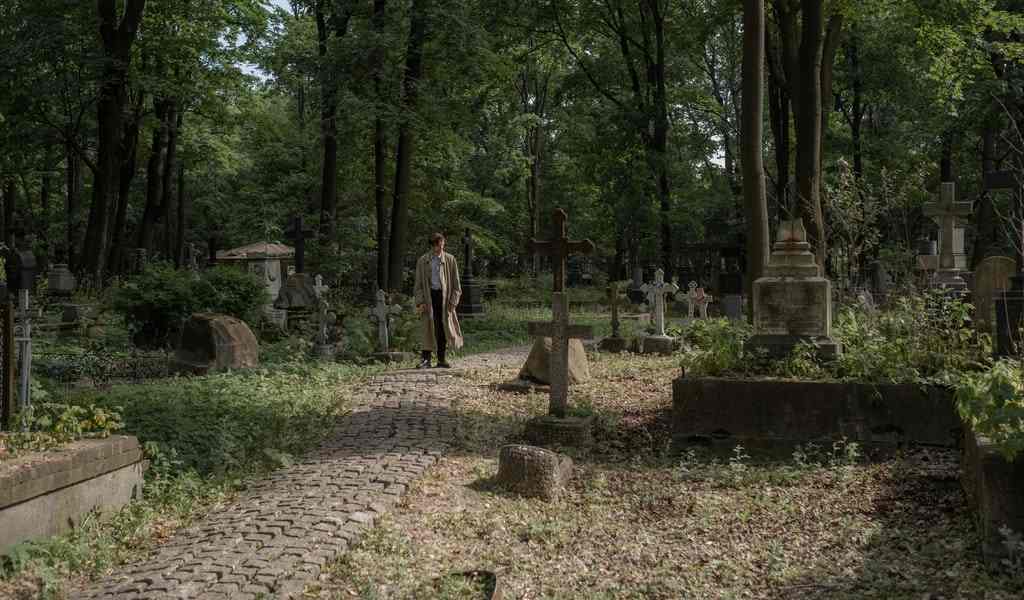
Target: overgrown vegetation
[[992, 403], [50, 425], [156, 303]]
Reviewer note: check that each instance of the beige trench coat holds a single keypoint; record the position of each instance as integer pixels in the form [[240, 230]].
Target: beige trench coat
[[451, 291]]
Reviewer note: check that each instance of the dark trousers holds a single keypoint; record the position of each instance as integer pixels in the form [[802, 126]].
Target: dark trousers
[[439, 337]]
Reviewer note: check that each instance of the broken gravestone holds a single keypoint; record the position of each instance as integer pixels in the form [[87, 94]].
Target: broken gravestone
[[533, 472]]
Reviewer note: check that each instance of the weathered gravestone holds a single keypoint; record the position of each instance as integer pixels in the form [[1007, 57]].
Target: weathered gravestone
[[557, 427], [533, 472], [212, 342], [991, 279], [323, 343], [659, 342], [61, 283], [792, 302], [471, 301], [947, 211], [1009, 306], [697, 301], [613, 343], [382, 312], [730, 288], [298, 295]]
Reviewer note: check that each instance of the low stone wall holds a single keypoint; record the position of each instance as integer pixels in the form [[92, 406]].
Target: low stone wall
[[780, 414], [995, 490], [45, 493]]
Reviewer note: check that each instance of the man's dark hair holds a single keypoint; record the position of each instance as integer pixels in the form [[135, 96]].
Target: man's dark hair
[[435, 238]]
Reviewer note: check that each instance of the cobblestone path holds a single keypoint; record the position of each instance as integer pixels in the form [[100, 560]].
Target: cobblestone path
[[281, 532]]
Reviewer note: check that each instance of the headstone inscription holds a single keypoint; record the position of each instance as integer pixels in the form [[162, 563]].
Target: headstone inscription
[[559, 330], [991, 278], [792, 302], [946, 211], [655, 292], [470, 304]]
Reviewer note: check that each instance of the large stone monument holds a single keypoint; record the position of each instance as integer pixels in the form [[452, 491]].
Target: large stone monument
[[557, 427], [659, 342], [946, 212], [792, 303], [212, 342], [471, 301]]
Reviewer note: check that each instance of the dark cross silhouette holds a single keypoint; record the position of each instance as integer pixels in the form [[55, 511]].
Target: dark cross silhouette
[[297, 233], [560, 248], [1007, 180]]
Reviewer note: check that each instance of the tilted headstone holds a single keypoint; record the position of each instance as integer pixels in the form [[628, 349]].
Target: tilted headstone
[[991, 278], [792, 303], [559, 330], [382, 313]]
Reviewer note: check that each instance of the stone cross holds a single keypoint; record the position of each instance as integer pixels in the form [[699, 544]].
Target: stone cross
[[467, 241], [319, 286], [560, 332], [297, 233], [696, 299], [560, 248], [613, 302], [947, 210], [382, 312], [655, 293]]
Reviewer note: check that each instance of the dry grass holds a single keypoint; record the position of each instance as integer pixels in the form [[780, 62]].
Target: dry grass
[[639, 522]]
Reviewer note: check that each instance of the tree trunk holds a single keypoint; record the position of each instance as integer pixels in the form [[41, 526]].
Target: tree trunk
[[857, 110], [10, 199], [328, 130], [660, 137], [73, 197], [403, 155], [380, 150], [129, 155], [534, 190], [170, 171], [807, 113], [752, 126], [779, 112], [118, 36], [985, 222], [179, 250], [154, 179]]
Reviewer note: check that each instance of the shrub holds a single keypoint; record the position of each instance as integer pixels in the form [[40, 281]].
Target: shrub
[[157, 302], [717, 347], [992, 403]]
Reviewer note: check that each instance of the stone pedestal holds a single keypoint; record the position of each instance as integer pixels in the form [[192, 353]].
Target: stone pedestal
[[657, 344], [533, 472], [61, 283], [792, 303], [297, 294], [574, 432], [471, 304], [613, 344]]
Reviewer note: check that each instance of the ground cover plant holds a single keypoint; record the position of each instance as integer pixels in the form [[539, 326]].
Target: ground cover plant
[[639, 521], [205, 437]]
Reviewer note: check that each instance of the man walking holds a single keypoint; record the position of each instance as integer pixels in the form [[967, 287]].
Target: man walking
[[437, 291]]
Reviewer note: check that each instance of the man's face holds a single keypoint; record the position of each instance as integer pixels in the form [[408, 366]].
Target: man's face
[[439, 246]]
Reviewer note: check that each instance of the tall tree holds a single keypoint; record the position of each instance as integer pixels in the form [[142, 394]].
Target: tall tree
[[754, 195], [118, 34], [332, 20], [403, 155], [380, 145]]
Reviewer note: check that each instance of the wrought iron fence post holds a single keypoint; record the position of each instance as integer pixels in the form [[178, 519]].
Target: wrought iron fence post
[[23, 337]]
